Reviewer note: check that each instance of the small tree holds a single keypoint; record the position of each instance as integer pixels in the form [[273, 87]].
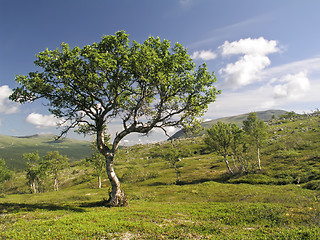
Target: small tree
[[223, 139], [34, 170], [256, 131], [5, 173], [99, 164], [238, 147], [144, 86], [55, 162], [173, 157]]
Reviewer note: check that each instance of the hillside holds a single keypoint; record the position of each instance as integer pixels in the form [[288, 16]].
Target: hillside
[[12, 148], [238, 119], [282, 201]]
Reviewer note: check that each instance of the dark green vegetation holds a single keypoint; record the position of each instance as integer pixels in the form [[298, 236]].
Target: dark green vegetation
[[12, 148], [280, 201]]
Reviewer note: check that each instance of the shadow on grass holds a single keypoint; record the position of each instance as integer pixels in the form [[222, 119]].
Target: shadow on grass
[[222, 178], [103, 203], [18, 207], [196, 181], [187, 182]]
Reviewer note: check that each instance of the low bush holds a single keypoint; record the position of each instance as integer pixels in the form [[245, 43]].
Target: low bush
[[313, 185]]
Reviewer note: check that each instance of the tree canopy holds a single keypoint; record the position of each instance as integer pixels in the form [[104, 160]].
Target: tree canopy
[[145, 86]]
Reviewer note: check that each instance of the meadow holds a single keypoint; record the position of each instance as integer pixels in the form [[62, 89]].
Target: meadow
[[282, 201]]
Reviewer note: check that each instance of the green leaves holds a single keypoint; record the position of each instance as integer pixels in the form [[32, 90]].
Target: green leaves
[[255, 129], [222, 138], [144, 85], [5, 173]]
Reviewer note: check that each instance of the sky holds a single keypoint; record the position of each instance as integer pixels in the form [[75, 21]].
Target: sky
[[265, 54]]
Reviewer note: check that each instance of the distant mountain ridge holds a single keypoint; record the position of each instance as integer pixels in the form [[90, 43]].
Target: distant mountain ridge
[[12, 148], [237, 119]]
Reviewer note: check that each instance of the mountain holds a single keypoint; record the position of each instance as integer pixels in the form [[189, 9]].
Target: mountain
[[238, 119], [12, 148]]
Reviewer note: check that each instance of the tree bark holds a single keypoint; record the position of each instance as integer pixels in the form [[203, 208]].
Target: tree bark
[[258, 154], [227, 163], [33, 187], [99, 181], [117, 197], [177, 173], [56, 184]]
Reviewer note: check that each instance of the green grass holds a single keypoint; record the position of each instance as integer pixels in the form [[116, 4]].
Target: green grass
[[282, 201], [200, 211]]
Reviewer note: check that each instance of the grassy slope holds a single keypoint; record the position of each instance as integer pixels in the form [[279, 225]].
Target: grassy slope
[[268, 204], [12, 148]]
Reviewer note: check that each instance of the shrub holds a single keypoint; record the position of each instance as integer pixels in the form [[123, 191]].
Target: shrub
[[254, 179], [312, 185]]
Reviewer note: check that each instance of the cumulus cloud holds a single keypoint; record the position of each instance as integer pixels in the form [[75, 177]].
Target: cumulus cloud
[[256, 46], [204, 55], [42, 121], [247, 68], [292, 86], [7, 106]]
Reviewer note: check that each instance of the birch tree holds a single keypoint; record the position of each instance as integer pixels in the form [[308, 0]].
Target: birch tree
[[256, 131], [34, 170], [224, 139], [144, 86], [54, 163]]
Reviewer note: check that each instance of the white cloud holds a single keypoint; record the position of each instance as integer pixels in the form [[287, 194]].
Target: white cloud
[[310, 65], [240, 102], [292, 87], [247, 69], [256, 46], [7, 106], [43, 121], [204, 55]]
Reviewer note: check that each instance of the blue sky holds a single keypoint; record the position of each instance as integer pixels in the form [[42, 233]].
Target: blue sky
[[266, 54]]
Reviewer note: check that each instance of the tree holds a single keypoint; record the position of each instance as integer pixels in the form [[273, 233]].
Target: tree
[[238, 147], [5, 173], [34, 170], [54, 162], [224, 139], [173, 157], [98, 162], [145, 86], [256, 131]]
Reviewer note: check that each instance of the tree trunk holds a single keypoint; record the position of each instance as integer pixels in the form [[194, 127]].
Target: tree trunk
[[177, 173], [234, 163], [116, 197], [258, 154], [227, 163], [99, 181], [56, 185], [33, 187]]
